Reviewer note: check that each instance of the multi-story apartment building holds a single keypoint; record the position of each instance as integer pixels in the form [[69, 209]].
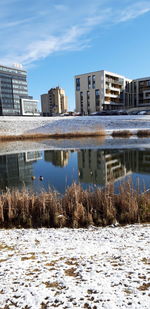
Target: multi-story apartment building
[[101, 90], [54, 102], [140, 92], [13, 89]]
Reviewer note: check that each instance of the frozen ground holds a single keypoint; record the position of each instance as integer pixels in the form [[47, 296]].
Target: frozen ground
[[85, 268], [21, 125]]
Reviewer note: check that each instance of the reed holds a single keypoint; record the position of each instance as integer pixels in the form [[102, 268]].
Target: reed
[[77, 134], [143, 133], [76, 208], [123, 133]]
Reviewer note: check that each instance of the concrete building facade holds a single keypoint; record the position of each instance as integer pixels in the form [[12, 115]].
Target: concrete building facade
[[54, 102], [13, 88], [101, 90], [29, 107], [140, 92]]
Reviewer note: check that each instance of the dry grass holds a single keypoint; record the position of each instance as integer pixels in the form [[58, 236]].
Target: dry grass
[[71, 272], [123, 133], [78, 134], [31, 257], [146, 261], [143, 133], [144, 287], [54, 284], [77, 208]]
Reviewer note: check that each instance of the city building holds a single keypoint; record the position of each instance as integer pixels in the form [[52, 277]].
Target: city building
[[54, 102], [140, 92], [100, 90], [14, 91], [29, 107], [103, 90]]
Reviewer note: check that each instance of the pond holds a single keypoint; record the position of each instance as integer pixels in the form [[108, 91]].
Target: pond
[[40, 170]]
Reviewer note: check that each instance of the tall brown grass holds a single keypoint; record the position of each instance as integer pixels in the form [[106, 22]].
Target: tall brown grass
[[77, 208], [76, 134], [123, 133], [143, 133]]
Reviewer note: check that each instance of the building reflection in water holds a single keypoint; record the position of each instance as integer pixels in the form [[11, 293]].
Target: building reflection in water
[[97, 167], [57, 157], [102, 166], [16, 169]]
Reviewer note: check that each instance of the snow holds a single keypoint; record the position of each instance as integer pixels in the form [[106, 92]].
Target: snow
[[23, 125], [75, 268]]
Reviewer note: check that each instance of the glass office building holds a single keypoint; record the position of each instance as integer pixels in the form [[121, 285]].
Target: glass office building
[[13, 87]]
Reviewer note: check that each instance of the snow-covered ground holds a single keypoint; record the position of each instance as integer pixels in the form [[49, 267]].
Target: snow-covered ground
[[75, 268], [22, 125]]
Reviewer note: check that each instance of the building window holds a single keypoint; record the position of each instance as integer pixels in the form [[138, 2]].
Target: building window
[[89, 82], [147, 94], [97, 99], [78, 84], [88, 102], [148, 83], [93, 81], [141, 84], [81, 102]]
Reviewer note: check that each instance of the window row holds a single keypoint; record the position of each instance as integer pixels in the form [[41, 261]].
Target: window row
[[12, 71], [19, 87], [20, 92], [90, 81], [97, 99], [4, 90], [5, 95], [5, 80], [20, 82]]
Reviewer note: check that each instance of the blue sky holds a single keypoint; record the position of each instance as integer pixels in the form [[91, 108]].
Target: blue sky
[[57, 39]]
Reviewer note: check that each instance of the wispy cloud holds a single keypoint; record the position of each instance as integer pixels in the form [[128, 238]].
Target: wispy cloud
[[134, 11], [40, 32]]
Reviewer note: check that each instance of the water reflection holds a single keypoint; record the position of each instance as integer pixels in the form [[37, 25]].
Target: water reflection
[[101, 166], [17, 169], [61, 168], [57, 157]]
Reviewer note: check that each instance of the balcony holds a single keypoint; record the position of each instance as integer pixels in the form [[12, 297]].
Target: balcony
[[110, 87], [112, 95], [115, 81]]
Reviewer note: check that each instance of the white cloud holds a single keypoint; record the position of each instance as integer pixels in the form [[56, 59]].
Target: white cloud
[[40, 32], [134, 11]]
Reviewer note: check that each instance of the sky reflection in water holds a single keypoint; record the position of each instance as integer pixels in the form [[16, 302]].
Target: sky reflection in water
[[60, 168]]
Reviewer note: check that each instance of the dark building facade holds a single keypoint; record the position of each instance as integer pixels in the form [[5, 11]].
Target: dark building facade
[[13, 89]]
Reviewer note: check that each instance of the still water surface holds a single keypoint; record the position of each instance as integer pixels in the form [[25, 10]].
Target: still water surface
[[59, 168]]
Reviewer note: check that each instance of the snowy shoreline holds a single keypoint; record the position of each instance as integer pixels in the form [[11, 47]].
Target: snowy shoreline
[[80, 268], [41, 125]]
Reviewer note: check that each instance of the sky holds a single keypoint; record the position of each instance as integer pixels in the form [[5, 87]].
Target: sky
[[55, 40]]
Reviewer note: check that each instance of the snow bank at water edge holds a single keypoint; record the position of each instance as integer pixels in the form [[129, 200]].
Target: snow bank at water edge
[[43, 125]]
